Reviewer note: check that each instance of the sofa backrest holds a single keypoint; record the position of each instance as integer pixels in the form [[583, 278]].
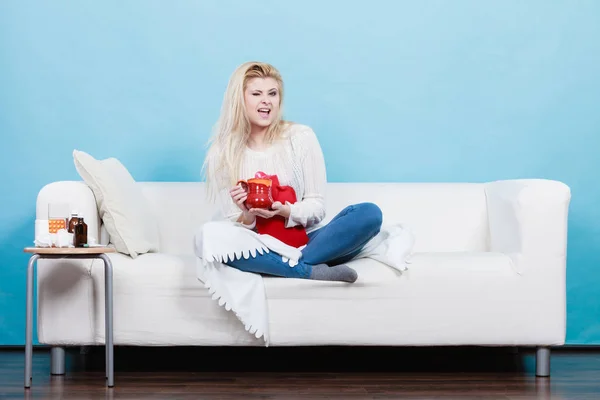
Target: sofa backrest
[[445, 217]]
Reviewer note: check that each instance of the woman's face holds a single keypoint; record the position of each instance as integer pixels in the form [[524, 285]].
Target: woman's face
[[262, 101]]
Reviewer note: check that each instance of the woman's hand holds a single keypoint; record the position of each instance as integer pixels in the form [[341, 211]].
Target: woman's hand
[[276, 209], [239, 196]]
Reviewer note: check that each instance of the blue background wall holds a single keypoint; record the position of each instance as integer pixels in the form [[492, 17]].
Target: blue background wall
[[396, 91]]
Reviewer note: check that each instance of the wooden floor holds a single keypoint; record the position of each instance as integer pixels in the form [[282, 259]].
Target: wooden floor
[[305, 373]]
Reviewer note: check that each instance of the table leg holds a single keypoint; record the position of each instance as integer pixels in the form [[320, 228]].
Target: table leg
[[108, 311], [29, 321]]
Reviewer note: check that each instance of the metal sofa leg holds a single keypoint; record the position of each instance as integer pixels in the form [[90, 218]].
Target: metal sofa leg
[[57, 360], [542, 362]]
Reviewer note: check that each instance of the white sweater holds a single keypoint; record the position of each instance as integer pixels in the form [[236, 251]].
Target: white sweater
[[297, 160]]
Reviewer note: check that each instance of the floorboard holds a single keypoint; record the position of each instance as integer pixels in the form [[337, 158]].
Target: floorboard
[[305, 373]]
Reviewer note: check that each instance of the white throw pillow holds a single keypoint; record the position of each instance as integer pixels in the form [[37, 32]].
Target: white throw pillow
[[121, 205]]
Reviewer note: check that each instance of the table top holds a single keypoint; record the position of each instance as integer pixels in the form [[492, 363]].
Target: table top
[[69, 250]]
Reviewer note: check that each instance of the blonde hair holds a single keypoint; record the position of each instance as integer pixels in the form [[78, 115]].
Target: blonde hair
[[232, 130]]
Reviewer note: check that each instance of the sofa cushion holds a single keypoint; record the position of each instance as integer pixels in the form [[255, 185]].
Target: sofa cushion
[[121, 204], [443, 216], [159, 274], [453, 298]]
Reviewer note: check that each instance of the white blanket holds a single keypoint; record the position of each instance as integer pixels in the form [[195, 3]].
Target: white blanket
[[243, 293]]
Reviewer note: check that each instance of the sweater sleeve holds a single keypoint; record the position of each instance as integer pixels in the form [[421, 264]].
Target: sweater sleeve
[[310, 210], [228, 209]]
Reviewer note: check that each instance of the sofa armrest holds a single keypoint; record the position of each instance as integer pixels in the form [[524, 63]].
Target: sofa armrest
[[528, 216], [78, 196]]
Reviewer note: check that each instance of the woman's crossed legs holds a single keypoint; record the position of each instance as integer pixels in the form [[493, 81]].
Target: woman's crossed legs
[[328, 248]]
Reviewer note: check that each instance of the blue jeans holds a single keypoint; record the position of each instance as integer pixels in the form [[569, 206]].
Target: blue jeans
[[336, 243]]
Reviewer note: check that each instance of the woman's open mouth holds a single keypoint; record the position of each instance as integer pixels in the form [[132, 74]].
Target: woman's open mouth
[[264, 112]]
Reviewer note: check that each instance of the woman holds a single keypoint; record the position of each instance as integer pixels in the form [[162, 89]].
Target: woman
[[252, 136]]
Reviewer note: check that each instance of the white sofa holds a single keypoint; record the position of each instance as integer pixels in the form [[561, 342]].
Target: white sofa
[[488, 269]]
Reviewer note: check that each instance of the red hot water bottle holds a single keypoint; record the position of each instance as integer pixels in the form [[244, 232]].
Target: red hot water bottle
[[275, 226]]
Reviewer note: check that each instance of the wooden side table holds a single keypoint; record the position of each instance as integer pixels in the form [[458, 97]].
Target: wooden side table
[[74, 253]]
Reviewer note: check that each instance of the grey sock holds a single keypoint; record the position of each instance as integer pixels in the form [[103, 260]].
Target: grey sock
[[342, 272]]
